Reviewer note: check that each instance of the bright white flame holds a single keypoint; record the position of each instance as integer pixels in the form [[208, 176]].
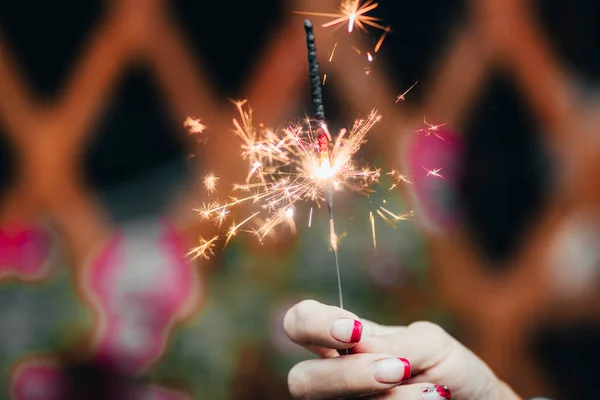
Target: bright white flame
[[289, 213], [351, 22], [325, 171]]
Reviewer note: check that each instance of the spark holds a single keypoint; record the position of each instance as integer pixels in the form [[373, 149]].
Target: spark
[[372, 219], [431, 129], [220, 216], [382, 38], [398, 178], [234, 228], [310, 217], [434, 172], [397, 217], [369, 57], [324, 79], [210, 183], [333, 239], [402, 97], [390, 218], [286, 167], [353, 14], [333, 52], [194, 125], [205, 249], [289, 213]]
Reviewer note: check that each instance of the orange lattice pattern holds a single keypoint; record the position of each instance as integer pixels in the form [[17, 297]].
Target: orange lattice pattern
[[498, 33]]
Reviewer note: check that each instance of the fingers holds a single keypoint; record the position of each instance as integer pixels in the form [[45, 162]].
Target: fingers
[[374, 368], [374, 329], [321, 328], [310, 323], [421, 391], [423, 343], [347, 376]]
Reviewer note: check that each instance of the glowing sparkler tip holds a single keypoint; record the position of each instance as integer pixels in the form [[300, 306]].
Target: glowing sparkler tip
[[289, 213], [351, 20], [324, 171]]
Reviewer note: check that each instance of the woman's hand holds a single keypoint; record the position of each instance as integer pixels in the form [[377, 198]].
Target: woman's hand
[[400, 363]]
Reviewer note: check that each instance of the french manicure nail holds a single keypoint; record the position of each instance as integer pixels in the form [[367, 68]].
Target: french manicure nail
[[406, 369], [437, 392], [393, 370], [346, 330]]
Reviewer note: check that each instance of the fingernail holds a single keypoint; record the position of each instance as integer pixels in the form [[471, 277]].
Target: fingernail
[[393, 370], [346, 330], [437, 392]]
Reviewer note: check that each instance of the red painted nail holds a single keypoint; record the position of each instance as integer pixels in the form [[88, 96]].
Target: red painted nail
[[346, 330], [356, 332], [443, 391], [437, 392], [406, 369]]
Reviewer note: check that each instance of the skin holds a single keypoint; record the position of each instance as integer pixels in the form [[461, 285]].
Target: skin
[[435, 357]]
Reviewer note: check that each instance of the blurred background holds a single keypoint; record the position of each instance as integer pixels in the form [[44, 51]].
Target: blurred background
[[99, 179]]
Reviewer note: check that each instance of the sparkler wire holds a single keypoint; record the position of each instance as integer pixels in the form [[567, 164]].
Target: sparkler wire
[[319, 111]]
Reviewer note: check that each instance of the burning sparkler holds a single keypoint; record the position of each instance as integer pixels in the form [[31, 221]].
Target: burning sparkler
[[323, 139], [296, 164], [300, 163], [288, 166]]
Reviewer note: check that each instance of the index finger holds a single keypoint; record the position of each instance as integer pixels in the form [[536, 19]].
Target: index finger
[[310, 323]]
